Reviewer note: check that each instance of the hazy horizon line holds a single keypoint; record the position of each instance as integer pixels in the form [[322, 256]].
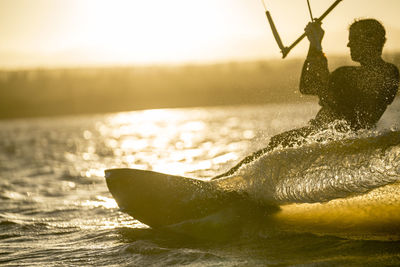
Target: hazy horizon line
[[15, 67], [115, 64]]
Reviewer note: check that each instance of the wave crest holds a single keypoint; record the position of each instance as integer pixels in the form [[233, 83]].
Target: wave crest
[[320, 172]]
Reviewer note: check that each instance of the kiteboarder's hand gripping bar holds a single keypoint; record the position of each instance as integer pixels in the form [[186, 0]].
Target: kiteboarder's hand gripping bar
[[286, 49]]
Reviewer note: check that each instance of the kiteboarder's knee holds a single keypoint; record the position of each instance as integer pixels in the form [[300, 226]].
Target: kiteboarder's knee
[[283, 139], [290, 138]]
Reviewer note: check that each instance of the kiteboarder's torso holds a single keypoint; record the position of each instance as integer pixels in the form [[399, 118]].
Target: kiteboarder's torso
[[359, 95]]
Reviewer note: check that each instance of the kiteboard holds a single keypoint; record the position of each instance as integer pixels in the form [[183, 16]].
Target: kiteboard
[[158, 199], [314, 173]]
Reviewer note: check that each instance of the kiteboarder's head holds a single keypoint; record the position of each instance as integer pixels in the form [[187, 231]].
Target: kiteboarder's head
[[366, 39]]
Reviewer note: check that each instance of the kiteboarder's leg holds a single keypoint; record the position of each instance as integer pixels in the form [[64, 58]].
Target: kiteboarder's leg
[[285, 139], [291, 138], [246, 160]]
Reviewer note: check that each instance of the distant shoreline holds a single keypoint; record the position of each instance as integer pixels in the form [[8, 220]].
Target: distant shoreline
[[59, 92]]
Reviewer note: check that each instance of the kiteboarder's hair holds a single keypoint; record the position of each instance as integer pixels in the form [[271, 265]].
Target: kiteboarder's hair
[[371, 31]]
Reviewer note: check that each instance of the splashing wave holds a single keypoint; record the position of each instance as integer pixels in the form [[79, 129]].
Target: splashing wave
[[320, 172]]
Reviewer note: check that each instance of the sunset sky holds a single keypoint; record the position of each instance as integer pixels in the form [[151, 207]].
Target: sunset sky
[[89, 32]]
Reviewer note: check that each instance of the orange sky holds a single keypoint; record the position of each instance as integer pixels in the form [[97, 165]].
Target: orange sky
[[88, 32]]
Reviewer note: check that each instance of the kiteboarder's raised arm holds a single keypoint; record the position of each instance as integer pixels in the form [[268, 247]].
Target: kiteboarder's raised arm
[[315, 74]]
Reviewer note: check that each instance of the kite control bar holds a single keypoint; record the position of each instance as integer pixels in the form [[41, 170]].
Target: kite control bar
[[286, 49]]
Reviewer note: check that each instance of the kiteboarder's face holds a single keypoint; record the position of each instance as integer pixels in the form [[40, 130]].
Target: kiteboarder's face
[[356, 45], [361, 47]]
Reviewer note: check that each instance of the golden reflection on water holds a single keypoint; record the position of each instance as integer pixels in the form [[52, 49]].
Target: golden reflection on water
[[92, 173], [373, 214], [101, 223], [105, 202], [174, 141]]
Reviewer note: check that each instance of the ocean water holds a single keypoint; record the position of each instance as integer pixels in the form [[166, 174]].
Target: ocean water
[[56, 209]]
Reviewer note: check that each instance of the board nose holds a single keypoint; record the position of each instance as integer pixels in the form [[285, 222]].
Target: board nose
[[107, 173], [119, 182]]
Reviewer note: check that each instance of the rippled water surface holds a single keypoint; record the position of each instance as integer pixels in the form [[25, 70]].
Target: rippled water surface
[[56, 209]]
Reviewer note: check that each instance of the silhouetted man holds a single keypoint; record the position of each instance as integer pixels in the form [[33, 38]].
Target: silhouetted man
[[356, 95]]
